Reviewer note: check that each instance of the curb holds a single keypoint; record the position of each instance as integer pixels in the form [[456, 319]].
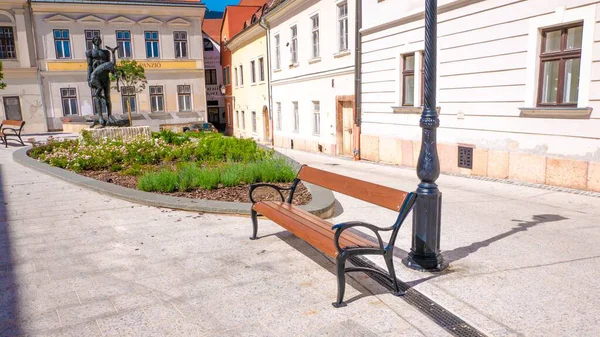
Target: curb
[[322, 203]]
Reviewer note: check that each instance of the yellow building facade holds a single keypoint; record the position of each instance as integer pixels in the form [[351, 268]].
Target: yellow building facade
[[249, 71]]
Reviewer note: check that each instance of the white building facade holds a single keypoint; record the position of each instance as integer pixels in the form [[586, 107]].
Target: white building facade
[[165, 38], [311, 49], [21, 99], [518, 88], [213, 74]]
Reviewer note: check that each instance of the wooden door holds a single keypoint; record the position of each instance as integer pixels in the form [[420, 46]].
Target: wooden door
[[267, 131], [347, 124]]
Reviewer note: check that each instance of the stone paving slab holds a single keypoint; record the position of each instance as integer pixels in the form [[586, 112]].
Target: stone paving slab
[[77, 263]]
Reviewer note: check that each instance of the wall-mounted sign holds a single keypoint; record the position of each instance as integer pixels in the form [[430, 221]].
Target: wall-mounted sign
[[149, 65]]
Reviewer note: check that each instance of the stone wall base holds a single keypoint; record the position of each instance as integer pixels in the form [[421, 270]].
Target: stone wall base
[[513, 165], [302, 144], [121, 133]]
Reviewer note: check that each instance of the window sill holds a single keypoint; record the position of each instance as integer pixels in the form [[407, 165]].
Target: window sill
[[558, 112], [416, 110], [294, 65], [277, 70], [314, 60], [342, 53]]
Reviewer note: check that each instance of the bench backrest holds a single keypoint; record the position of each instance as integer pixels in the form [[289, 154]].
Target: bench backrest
[[12, 122], [373, 193]]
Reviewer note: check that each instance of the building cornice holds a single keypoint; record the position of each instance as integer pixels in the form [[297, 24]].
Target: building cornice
[[246, 36], [117, 9], [281, 9]]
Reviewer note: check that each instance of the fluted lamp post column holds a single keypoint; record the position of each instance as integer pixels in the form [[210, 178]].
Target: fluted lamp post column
[[425, 251]]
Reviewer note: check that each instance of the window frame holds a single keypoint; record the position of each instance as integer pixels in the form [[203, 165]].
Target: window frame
[[241, 81], [277, 52], [207, 42], [152, 41], [71, 95], [243, 120], [237, 119], [5, 105], [562, 56], [181, 93], [345, 31], [95, 32], [278, 111], [294, 44], [254, 122], [63, 41], [315, 42], [6, 42], [406, 73], [121, 42], [125, 94], [210, 76], [316, 118], [156, 96], [261, 69], [226, 77], [252, 71], [180, 44], [296, 115]]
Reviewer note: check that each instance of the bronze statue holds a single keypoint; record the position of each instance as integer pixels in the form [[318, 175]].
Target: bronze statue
[[100, 66]]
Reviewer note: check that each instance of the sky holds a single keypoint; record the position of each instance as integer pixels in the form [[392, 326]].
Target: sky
[[219, 5]]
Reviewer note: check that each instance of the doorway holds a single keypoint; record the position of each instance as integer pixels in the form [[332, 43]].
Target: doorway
[[266, 123], [345, 116], [12, 108]]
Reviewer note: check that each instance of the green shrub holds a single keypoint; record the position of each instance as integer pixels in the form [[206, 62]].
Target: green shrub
[[171, 137], [207, 179], [116, 167], [188, 174], [231, 175], [162, 181]]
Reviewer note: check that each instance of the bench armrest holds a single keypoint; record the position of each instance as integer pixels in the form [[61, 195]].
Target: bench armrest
[[339, 228], [275, 187], [15, 131]]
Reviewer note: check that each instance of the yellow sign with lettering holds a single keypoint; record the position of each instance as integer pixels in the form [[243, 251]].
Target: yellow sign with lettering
[[148, 65]]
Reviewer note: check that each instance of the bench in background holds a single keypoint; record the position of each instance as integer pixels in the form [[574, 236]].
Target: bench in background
[[11, 128]]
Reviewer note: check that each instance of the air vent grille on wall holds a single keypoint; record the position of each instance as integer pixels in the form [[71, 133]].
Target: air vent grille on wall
[[465, 157]]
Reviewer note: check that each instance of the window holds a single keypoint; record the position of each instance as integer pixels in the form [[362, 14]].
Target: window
[[261, 69], [237, 119], [124, 43], [89, 36], [151, 44], [211, 76], [560, 59], [180, 39], [235, 78], [69, 101], [278, 104], [408, 80], [241, 75], [212, 102], [343, 26], [157, 98], [315, 36], [253, 121], [62, 43], [208, 46], [296, 117], [128, 99], [7, 43], [184, 97], [294, 44], [243, 120], [316, 117], [252, 71], [12, 108], [277, 53], [226, 78]]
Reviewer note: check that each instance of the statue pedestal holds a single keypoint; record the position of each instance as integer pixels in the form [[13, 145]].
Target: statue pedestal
[[124, 133]]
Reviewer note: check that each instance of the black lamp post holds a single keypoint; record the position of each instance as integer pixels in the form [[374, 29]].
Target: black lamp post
[[425, 251]]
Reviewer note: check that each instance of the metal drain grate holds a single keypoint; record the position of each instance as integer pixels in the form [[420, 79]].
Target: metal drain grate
[[442, 317], [465, 157]]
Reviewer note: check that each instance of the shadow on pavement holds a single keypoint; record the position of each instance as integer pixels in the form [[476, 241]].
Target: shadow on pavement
[[462, 252], [9, 301]]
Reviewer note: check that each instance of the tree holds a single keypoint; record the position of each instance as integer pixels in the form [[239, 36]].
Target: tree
[[132, 76], [2, 84]]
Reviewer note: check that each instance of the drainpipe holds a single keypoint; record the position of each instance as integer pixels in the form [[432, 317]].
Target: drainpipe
[[357, 77], [267, 29], [37, 61]]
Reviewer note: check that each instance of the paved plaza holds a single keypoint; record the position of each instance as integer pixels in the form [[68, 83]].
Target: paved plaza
[[524, 261]]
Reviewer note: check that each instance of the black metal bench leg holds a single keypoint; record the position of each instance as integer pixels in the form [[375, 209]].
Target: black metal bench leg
[[341, 278], [254, 216], [5, 141], [21, 140], [388, 257]]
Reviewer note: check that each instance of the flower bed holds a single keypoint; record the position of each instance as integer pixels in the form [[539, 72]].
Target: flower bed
[[209, 165]]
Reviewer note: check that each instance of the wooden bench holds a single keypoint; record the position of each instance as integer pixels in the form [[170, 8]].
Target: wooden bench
[[14, 129], [336, 241]]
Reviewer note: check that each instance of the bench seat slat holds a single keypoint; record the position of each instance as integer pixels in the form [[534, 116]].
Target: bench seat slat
[[373, 193], [11, 122], [308, 227]]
